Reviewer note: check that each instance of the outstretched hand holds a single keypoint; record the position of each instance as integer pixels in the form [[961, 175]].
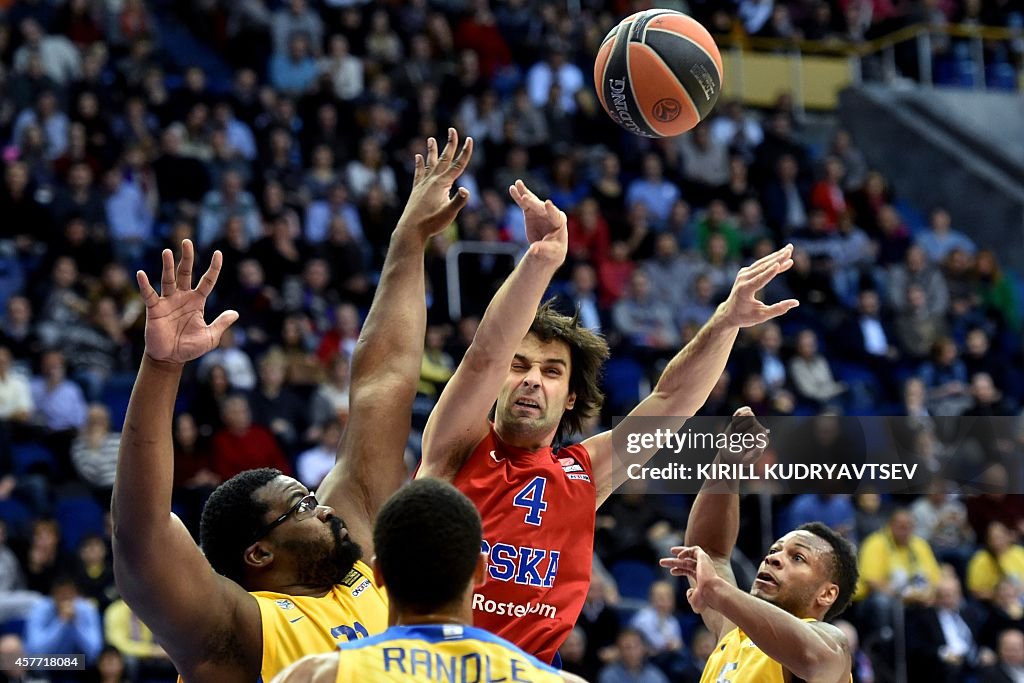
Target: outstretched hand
[[546, 225], [430, 208], [742, 308], [750, 448], [695, 564], [176, 331]]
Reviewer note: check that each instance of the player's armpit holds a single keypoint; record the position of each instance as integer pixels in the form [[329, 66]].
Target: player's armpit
[[314, 669]]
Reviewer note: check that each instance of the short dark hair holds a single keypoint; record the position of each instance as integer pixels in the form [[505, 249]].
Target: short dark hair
[[844, 565], [231, 518], [588, 352], [428, 540]]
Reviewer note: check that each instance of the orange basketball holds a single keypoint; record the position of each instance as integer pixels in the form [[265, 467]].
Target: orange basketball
[[658, 73]]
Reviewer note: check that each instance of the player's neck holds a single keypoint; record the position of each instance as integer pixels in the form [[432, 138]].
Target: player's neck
[[526, 440], [457, 614]]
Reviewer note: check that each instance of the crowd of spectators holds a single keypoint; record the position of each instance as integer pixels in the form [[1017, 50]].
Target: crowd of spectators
[[296, 167]]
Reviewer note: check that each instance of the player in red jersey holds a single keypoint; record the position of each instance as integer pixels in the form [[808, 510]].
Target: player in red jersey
[[538, 505]]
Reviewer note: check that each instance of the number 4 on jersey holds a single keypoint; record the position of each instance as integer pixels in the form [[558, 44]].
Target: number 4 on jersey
[[531, 497]]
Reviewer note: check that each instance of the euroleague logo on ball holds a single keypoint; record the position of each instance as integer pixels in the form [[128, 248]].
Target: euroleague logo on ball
[[666, 109]]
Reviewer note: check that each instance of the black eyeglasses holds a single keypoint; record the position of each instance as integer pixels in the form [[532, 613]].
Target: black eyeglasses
[[304, 509]]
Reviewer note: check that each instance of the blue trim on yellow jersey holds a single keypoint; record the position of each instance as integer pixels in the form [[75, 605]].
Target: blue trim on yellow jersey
[[436, 633]]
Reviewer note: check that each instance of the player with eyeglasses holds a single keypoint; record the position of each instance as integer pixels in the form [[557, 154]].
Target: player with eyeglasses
[[280, 574]]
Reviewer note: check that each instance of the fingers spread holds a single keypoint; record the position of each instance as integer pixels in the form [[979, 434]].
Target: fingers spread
[[222, 323], [188, 255], [417, 175], [462, 160], [167, 280], [431, 159], [449, 148], [778, 309], [149, 295], [210, 278]]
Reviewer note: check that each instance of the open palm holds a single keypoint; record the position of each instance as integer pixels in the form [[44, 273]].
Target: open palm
[[176, 331]]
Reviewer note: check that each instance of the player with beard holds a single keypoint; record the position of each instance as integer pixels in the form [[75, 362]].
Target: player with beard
[[431, 637], [539, 371], [777, 632], [282, 575]]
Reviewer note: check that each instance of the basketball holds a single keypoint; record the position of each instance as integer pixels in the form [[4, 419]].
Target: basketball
[[658, 73]]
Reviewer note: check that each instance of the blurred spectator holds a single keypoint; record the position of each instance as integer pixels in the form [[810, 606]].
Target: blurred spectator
[[219, 205], [94, 452], [342, 338], [895, 565], [60, 405], [313, 464], [704, 163], [657, 621], [700, 305], [94, 571], [810, 373], [16, 600], [941, 519], [241, 445], [670, 273], [134, 641], [64, 623], [275, 405], [852, 158], [653, 190], [941, 638], [917, 270], [582, 292], [555, 69], [346, 70], [632, 665], [940, 239], [330, 402], [293, 72], [1009, 668], [574, 655], [1000, 557], [233, 360], [918, 329], [737, 130], [828, 194], [785, 198], [110, 666], [58, 56], [945, 378], [1005, 611], [644, 320], [589, 239], [995, 290], [295, 17], [835, 510], [863, 671]]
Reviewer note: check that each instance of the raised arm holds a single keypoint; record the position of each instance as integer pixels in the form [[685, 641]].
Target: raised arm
[[459, 420], [690, 376], [160, 571], [714, 520], [386, 362], [816, 652], [311, 669]]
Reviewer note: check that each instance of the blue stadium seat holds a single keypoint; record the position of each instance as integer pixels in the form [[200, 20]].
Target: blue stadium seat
[[17, 517], [633, 578], [622, 377], [30, 457], [78, 516]]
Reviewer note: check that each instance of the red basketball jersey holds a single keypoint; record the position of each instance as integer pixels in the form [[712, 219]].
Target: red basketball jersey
[[538, 511]]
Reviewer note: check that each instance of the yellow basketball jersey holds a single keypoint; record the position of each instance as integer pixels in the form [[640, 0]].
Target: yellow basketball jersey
[[296, 626], [439, 653], [737, 659]]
